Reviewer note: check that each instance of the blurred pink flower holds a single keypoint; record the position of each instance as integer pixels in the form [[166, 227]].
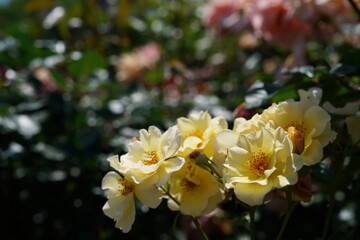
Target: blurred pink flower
[[47, 81], [276, 21], [131, 65], [148, 54], [226, 15]]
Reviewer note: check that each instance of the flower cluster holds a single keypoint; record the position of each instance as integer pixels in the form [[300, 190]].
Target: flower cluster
[[196, 163]]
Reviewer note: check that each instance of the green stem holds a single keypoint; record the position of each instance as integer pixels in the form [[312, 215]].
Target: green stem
[[170, 196], [252, 222], [290, 208], [199, 227]]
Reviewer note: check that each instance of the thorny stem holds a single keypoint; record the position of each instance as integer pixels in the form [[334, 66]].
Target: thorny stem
[[290, 208], [195, 220]]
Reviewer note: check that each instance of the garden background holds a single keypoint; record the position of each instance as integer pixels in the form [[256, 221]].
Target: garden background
[[78, 79]]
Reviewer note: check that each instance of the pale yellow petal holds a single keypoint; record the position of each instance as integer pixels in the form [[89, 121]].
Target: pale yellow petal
[[316, 118], [147, 192], [192, 142], [213, 202], [237, 158], [287, 112], [251, 193], [197, 121], [192, 204], [171, 165], [111, 181], [135, 154], [116, 207], [114, 162], [313, 153], [327, 136], [170, 142], [150, 139], [126, 221]]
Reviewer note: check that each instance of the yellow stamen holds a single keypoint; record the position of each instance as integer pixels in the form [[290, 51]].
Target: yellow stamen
[[126, 186], [258, 163], [151, 158]]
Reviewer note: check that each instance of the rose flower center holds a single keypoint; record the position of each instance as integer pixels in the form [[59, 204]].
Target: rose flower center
[[127, 186], [151, 158], [187, 185], [258, 163]]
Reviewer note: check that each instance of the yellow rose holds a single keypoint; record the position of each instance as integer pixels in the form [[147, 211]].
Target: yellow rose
[[260, 161], [196, 190], [198, 132], [153, 154], [120, 193], [307, 124], [226, 139]]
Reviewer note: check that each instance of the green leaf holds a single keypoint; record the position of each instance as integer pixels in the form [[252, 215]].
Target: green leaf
[[259, 93], [308, 71], [87, 64], [342, 69]]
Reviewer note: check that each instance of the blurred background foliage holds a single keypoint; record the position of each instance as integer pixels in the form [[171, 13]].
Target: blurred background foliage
[[66, 105]]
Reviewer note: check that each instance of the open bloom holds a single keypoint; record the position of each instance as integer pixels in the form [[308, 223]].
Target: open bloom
[[227, 139], [198, 132], [307, 124], [196, 190], [120, 193], [153, 154], [260, 161]]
